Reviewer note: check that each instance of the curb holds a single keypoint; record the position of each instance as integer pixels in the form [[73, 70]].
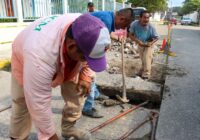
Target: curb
[[6, 42], [4, 63], [13, 26]]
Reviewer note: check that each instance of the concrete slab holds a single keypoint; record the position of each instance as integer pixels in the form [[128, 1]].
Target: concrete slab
[[4, 89], [5, 51], [179, 113]]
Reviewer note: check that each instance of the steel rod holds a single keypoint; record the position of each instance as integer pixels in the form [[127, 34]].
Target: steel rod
[[117, 117], [3, 109], [129, 132]]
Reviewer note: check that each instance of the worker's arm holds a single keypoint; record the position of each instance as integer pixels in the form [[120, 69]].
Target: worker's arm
[[114, 36], [37, 80], [150, 43], [85, 78], [117, 37], [153, 38]]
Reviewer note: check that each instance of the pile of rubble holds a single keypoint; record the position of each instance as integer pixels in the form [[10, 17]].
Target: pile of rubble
[[129, 47]]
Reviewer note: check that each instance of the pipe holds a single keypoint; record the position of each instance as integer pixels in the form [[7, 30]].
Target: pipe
[[117, 117]]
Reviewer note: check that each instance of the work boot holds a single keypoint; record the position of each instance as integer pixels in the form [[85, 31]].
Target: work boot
[[70, 132], [93, 113], [102, 97]]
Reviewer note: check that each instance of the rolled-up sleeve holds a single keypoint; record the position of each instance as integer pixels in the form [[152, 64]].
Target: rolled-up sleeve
[[86, 73], [37, 80], [154, 33]]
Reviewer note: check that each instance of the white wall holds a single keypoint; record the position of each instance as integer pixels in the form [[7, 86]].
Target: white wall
[[156, 16]]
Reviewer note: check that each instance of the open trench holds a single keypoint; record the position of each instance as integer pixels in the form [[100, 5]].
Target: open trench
[[138, 90]]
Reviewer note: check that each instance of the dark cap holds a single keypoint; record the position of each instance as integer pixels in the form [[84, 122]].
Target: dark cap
[[90, 4]]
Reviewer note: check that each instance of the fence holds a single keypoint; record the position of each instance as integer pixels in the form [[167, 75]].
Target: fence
[[33, 9], [8, 9]]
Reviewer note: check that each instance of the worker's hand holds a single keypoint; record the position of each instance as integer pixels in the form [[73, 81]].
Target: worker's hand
[[84, 87], [54, 137], [148, 44], [122, 39], [140, 43]]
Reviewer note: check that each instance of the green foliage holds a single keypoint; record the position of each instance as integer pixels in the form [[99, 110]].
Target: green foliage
[[177, 9], [8, 20], [190, 6], [151, 5], [120, 1]]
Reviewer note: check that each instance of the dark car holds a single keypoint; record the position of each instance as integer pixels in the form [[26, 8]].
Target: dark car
[[173, 21], [137, 11]]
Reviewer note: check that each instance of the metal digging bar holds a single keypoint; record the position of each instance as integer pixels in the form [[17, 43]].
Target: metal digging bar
[[124, 97], [117, 117]]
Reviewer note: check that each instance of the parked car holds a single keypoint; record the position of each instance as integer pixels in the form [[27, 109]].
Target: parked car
[[186, 21], [173, 21], [137, 11]]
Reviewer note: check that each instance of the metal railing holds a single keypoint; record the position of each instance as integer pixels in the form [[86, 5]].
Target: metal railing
[[119, 6], [33, 9], [98, 5], [8, 9], [109, 5], [77, 6]]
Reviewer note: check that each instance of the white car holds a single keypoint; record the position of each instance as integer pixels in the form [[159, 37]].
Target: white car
[[186, 21]]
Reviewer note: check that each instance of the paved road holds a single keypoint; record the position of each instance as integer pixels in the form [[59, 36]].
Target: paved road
[[180, 109]]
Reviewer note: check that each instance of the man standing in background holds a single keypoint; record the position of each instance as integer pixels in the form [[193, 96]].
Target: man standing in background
[[145, 35], [90, 7]]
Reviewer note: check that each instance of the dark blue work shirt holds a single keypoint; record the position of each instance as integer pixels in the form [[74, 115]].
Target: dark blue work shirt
[[107, 18]]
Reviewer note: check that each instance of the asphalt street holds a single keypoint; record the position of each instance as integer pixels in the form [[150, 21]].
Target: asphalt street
[[180, 113]]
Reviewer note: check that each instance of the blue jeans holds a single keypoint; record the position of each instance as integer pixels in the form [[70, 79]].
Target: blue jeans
[[89, 102]]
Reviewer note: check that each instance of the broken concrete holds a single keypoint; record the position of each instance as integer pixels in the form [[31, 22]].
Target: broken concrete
[[137, 88]]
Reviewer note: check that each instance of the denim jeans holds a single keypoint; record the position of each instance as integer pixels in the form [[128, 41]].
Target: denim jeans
[[89, 102]]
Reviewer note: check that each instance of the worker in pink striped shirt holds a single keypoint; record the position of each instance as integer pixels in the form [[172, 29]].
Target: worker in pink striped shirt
[[52, 51]]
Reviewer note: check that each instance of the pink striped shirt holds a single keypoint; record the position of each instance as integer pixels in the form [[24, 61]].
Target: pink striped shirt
[[37, 55]]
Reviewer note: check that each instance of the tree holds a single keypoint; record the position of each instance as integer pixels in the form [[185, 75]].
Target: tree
[[151, 5], [191, 6], [177, 9]]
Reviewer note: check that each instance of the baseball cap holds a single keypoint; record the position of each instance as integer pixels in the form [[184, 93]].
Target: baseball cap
[[90, 4], [92, 38]]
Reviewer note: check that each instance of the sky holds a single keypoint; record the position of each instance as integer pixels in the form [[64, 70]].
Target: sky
[[176, 2]]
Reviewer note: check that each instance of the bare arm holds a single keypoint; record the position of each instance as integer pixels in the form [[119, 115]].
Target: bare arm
[[114, 36], [150, 43]]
